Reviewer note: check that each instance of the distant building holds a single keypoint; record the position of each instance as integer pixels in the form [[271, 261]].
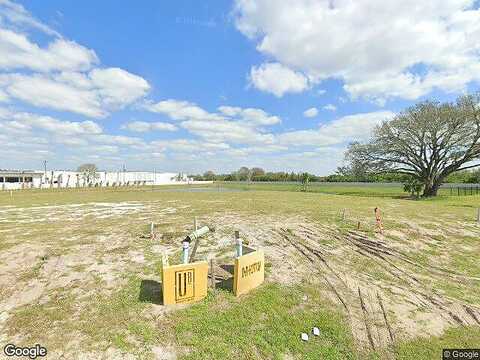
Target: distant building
[[15, 179], [20, 179]]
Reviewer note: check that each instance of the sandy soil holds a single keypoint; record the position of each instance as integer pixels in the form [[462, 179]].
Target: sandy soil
[[386, 292]]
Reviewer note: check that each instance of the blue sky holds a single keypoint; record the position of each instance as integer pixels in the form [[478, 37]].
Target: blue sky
[[214, 85]]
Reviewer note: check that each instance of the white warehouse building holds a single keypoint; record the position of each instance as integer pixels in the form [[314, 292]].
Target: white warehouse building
[[24, 179]]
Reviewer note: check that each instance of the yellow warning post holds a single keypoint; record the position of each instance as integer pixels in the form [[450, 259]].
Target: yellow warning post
[[184, 283], [249, 272]]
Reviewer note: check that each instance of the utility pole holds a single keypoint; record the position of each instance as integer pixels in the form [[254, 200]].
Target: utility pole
[[45, 169], [154, 178]]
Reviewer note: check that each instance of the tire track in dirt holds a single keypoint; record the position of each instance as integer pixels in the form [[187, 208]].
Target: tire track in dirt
[[387, 323], [366, 320], [284, 235], [448, 308], [363, 321], [381, 247], [430, 300], [378, 329], [397, 294]]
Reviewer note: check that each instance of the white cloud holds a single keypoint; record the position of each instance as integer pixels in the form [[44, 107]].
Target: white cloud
[[117, 87], [72, 139], [26, 121], [312, 112], [231, 124], [61, 75], [227, 144], [180, 110], [104, 149], [188, 145], [142, 126], [278, 79], [93, 94], [118, 140], [226, 131], [423, 46], [16, 51], [15, 14], [330, 107], [250, 115], [43, 91], [348, 128], [3, 96]]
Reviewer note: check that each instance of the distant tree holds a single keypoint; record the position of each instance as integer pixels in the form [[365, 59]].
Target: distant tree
[[305, 178], [243, 173], [209, 175], [474, 177], [356, 171], [88, 172], [428, 141], [179, 177], [256, 172]]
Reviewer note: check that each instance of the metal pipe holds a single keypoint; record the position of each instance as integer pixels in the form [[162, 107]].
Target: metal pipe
[[239, 244]]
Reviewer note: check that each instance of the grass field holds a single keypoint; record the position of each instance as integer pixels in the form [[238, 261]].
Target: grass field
[[80, 276], [366, 189]]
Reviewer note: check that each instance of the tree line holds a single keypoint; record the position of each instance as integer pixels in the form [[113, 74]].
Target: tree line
[[423, 146], [260, 175]]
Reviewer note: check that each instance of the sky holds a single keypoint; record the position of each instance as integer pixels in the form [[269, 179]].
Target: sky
[[191, 86]]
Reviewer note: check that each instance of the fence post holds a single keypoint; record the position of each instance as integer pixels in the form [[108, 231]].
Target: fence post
[[152, 231]]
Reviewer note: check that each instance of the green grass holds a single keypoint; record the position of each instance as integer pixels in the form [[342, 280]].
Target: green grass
[[265, 324], [40, 318], [326, 188], [370, 190], [117, 319], [431, 348]]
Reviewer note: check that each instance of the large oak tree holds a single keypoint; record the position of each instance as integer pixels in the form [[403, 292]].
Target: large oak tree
[[428, 141]]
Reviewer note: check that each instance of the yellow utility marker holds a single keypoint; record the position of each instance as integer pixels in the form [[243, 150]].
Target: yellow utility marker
[[249, 271], [184, 283]]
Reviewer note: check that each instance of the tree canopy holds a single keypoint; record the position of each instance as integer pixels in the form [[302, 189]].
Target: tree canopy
[[428, 142], [89, 172]]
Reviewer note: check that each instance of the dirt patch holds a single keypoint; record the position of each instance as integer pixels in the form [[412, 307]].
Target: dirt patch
[[381, 282]]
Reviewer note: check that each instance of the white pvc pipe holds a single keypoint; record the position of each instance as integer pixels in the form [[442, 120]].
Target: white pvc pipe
[[198, 233], [186, 246], [239, 247]]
